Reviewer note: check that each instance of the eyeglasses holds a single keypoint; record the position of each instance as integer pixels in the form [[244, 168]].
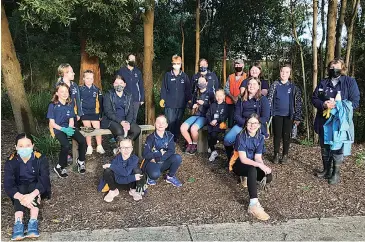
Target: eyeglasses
[[253, 123], [126, 148]]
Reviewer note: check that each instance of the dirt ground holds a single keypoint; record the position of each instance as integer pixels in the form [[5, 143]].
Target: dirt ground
[[209, 193]]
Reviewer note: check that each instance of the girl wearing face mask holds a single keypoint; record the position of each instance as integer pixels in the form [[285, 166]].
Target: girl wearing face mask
[[175, 94], [202, 98], [255, 71], [323, 99], [26, 181], [118, 113], [285, 100]]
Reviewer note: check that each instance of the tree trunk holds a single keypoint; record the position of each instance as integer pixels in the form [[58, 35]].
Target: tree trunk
[[331, 31], [340, 22], [323, 40], [315, 56], [148, 19], [13, 80], [182, 46], [89, 63], [350, 30], [197, 36], [224, 63]]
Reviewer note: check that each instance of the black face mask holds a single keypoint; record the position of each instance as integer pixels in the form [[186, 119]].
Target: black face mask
[[131, 63], [334, 73], [238, 69]]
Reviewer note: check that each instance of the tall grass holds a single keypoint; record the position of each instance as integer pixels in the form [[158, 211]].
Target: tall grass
[[46, 144]]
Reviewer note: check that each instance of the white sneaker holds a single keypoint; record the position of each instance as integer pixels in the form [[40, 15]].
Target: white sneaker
[[89, 150], [136, 196], [115, 151], [213, 156], [100, 149], [209, 150]]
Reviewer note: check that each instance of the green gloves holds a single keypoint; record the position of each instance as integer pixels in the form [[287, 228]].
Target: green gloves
[[68, 131], [141, 185]]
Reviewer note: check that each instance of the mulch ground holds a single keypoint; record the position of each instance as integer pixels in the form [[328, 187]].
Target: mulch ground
[[209, 193]]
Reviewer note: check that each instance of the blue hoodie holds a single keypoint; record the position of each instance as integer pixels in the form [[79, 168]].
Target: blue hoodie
[[123, 169]]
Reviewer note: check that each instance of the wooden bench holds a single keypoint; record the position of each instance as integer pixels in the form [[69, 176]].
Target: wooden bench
[[137, 143], [203, 139]]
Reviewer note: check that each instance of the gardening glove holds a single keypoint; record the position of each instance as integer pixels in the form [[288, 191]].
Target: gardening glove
[[223, 125], [162, 103], [327, 113], [233, 160], [68, 131], [141, 185]]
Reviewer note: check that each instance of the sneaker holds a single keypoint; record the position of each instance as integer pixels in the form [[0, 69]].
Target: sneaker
[[81, 167], [62, 173], [209, 150], [111, 195], [213, 155], [151, 182], [32, 229], [69, 160], [173, 180], [136, 196], [18, 230], [193, 149], [100, 149], [243, 181], [188, 148], [115, 151], [258, 211], [89, 150]]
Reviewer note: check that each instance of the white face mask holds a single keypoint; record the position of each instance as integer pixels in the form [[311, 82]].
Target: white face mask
[[176, 67]]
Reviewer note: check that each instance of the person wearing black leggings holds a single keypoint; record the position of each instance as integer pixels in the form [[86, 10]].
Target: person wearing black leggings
[[250, 145], [285, 99]]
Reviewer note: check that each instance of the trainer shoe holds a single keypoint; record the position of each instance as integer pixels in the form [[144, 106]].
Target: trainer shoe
[[81, 166], [18, 230], [151, 182], [188, 148], [62, 173], [193, 149], [243, 181], [213, 155], [258, 211], [89, 150], [111, 195], [136, 196], [173, 180], [100, 149], [32, 229]]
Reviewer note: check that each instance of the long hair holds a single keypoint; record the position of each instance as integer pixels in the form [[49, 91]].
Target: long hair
[[336, 61], [257, 65], [55, 98], [62, 69], [246, 94]]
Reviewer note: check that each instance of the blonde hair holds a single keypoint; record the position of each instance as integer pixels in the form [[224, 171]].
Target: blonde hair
[[220, 90], [336, 61], [258, 93], [175, 58], [62, 69]]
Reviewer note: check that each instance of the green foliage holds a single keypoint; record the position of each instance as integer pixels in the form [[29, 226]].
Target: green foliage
[[46, 144], [39, 104], [6, 110], [360, 158], [306, 142]]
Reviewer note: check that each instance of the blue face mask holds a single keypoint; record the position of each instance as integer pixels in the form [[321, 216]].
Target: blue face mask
[[24, 152]]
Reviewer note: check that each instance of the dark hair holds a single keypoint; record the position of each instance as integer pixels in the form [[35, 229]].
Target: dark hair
[[258, 93], [88, 71], [336, 61], [23, 135], [119, 77], [55, 98], [291, 69], [257, 65]]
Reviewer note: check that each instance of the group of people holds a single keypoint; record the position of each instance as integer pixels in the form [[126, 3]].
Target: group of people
[[245, 106]]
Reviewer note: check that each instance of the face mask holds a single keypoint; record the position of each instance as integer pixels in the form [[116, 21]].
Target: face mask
[[238, 69], [24, 152], [203, 69], [131, 63], [176, 67], [334, 73], [119, 88], [202, 85]]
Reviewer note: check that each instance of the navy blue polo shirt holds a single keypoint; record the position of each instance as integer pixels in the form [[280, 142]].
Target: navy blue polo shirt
[[88, 99], [249, 107], [27, 174], [120, 103], [282, 99], [264, 84], [61, 114], [251, 145]]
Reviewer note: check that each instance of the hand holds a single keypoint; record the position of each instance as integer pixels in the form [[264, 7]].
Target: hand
[[213, 123], [141, 185], [27, 200], [329, 104], [235, 99], [68, 131], [153, 160], [195, 106], [162, 151], [200, 102], [142, 103], [105, 166], [264, 168], [297, 123], [138, 177], [78, 117]]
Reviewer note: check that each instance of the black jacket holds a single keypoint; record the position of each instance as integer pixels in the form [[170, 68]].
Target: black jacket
[[218, 110]]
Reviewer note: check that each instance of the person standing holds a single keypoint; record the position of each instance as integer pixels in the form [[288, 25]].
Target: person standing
[[213, 82]]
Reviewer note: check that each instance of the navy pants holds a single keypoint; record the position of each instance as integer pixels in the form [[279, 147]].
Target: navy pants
[[109, 178], [230, 117], [154, 170], [65, 146], [174, 118], [282, 127], [135, 108]]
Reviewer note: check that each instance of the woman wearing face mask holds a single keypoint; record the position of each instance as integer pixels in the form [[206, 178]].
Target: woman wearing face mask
[[324, 100], [26, 181], [255, 71], [175, 94], [118, 113], [202, 98]]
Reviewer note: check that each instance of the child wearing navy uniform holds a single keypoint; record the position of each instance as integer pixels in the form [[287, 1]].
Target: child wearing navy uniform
[[159, 154], [285, 99], [91, 101], [216, 119], [26, 181], [255, 71], [61, 120], [202, 98]]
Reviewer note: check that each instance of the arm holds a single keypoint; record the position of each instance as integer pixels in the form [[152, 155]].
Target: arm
[[148, 153], [164, 87], [100, 98], [264, 87], [71, 122], [270, 96], [108, 109], [209, 114], [53, 124], [226, 89], [187, 88], [238, 113], [265, 110], [10, 186], [44, 180], [316, 101], [354, 94], [245, 160], [124, 171]]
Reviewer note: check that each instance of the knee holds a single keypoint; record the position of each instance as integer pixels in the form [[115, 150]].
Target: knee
[[108, 172], [184, 127], [154, 174], [177, 159], [194, 128]]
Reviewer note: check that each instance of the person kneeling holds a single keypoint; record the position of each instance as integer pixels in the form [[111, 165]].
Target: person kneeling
[[250, 144], [123, 170], [159, 154]]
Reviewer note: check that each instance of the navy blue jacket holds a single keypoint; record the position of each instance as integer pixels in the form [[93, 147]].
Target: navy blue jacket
[[12, 174], [349, 91], [134, 81], [207, 96], [110, 113], [176, 90], [154, 143], [123, 169], [295, 101], [217, 112], [91, 100], [213, 81]]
